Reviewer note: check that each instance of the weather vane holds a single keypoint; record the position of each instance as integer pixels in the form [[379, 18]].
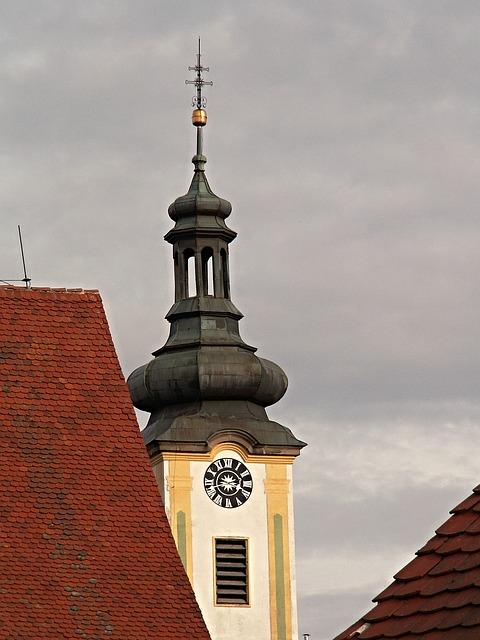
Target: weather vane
[[199, 102]]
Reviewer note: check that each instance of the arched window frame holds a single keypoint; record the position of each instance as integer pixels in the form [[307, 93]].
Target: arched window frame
[[189, 282], [207, 272], [225, 273]]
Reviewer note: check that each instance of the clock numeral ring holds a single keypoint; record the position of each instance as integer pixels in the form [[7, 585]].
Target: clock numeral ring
[[228, 483]]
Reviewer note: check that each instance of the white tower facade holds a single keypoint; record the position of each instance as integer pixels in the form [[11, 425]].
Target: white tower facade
[[223, 468], [240, 559]]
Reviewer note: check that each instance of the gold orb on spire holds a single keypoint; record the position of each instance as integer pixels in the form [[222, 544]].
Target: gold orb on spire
[[199, 117]]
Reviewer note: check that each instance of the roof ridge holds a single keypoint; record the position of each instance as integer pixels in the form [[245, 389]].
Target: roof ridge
[[11, 287]]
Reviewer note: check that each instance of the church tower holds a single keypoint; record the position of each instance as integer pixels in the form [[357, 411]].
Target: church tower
[[224, 469]]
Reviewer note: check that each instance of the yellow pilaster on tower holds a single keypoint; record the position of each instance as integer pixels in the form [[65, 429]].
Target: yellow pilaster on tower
[[179, 486], [277, 488]]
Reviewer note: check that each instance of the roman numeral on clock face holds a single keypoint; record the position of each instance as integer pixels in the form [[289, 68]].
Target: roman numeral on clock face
[[228, 483]]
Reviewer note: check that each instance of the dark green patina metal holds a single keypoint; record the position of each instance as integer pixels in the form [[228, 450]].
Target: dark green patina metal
[[206, 384]]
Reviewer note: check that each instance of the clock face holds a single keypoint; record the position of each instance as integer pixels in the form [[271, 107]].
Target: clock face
[[228, 483]]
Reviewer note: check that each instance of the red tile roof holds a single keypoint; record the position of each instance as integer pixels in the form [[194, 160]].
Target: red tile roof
[[85, 547], [437, 595]]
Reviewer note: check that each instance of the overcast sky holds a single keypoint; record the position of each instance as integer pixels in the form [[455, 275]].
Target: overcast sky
[[345, 134]]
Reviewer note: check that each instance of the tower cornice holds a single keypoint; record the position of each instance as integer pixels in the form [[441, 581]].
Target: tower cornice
[[192, 231]]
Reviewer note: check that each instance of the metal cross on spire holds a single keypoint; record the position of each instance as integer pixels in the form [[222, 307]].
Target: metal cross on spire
[[199, 101]]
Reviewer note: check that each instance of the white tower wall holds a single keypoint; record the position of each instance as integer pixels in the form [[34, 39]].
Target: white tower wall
[[265, 520]]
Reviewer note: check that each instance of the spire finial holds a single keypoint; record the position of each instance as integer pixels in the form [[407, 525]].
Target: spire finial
[[199, 102]]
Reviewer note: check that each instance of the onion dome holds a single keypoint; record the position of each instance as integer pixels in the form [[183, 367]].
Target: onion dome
[[214, 373], [199, 208], [200, 199]]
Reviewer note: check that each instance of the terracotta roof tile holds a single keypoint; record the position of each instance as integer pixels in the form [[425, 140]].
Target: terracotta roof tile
[[383, 610], [431, 545], [409, 606], [449, 563], [437, 595], [418, 567], [468, 504], [454, 545], [85, 547], [458, 523]]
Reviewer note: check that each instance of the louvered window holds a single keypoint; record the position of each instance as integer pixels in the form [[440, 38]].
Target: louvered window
[[231, 571]]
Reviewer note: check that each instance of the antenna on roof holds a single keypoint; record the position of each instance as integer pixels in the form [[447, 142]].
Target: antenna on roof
[[25, 279]]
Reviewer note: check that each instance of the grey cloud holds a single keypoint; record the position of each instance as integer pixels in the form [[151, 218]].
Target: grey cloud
[[402, 519], [322, 616]]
